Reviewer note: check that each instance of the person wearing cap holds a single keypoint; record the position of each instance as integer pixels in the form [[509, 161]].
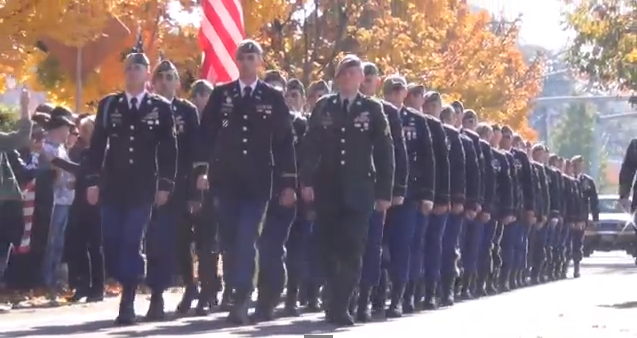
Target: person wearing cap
[[438, 218], [200, 93], [460, 161], [135, 171], [488, 261], [169, 235], [538, 238], [58, 129], [315, 91], [371, 271], [590, 203], [347, 171], [406, 222], [300, 259], [246, 145]]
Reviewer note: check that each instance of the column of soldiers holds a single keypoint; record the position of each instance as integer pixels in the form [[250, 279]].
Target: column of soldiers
[[358, 206]]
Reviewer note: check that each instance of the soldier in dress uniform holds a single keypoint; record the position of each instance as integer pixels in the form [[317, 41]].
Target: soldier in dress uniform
[[502, 213], [478, 210], [371, 273], [137, 169], [438, 217], [300, 258], [590, 206], [169, 235], [347, 171], [279, 218], [537, 246], [403, 238], [555, 215], [412, 299], [627, 184], [245, 150], [572, 217], [450, 269]]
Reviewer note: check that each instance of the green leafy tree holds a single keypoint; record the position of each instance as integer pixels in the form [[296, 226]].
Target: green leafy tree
[[8, 117], [575, 135]]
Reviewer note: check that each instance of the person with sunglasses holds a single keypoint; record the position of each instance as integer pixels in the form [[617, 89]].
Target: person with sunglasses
[[245, 154], [134, 172], [169, 234]]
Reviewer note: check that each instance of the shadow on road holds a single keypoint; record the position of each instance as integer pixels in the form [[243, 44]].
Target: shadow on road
[[621, 306], [60, 330]]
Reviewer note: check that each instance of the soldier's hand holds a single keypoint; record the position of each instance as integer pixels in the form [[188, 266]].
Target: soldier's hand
[[457, 208], [440, 209], [625, 202], [194, 206], [202, 182], [484, 217], [382, 205], [288, 197], [307, 193], [161, 197], [25, 99], [397, 200], [508, 220], [470, 214], [426, 207], [93, 195]]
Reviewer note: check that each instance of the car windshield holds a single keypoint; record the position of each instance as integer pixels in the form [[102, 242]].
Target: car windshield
[[610, 206]]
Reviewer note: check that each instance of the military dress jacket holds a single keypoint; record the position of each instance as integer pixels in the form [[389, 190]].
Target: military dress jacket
[[457, 165], [133, 153], [488, 179], [420, 151], [480, 146], [472, 173], [401, 172], [442, 147], [348, 153], [245, 144], [591, 197], [627, 172], [186, 126]]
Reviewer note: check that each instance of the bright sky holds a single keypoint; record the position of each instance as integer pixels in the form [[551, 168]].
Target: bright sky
[[541, 19]]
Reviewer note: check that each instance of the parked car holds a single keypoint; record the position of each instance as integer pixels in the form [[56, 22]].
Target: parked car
[[614, 231]]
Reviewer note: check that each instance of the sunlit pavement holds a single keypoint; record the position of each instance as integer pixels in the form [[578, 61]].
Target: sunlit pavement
[[602, 303]]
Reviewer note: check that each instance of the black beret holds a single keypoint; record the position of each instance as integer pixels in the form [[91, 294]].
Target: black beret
[[370, 69], [319, 86], [60, 116], [394, 82], [296, 84], [432, 96], [249, 46], [137, 59], [165, 66], [274, 78], [348, 61], [414, 88], [458, 106]]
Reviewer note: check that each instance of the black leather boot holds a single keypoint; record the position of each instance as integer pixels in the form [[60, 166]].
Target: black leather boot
[[313, 296], [492, 283], [227, 301], [419, 292], [481, 285], [264, 312], [408, 300], [291, 300], [126, 314], [447, 288], [576, 272], [238, 314], [156, 308], [467, 286], [430, 297], [339, 313], [379, 296], [363, 314], [397, 297], [513, 279]]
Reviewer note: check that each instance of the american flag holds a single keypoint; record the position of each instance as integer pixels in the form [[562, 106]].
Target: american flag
[[221, 31]]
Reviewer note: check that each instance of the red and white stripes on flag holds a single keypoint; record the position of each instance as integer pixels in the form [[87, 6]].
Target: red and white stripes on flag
[[28, 198], [221, 31]]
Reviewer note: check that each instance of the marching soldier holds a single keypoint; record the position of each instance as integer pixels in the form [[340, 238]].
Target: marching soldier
[[590, 206], [477, 210], [438, 218], [347, 165], [136, 170], [403, 237], [371, 273], [537, 245], [627, 183], [278, 221], [459, 169], [300, 256], [245, 147], [172, 221]]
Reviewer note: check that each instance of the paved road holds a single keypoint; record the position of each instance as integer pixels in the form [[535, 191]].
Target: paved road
[[600, 304]]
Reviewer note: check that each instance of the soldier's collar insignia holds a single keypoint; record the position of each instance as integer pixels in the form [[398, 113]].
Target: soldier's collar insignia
[[121, 99]]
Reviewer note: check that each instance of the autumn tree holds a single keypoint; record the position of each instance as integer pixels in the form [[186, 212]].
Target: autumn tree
[[575, 135], [605, 44]]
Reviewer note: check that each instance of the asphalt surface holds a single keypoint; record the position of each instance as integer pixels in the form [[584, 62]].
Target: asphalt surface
[[602, 303]]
